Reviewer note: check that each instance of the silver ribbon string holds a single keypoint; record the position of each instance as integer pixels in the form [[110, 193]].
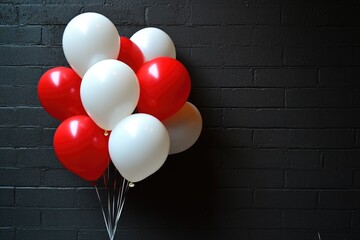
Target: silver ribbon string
[[111, 191]]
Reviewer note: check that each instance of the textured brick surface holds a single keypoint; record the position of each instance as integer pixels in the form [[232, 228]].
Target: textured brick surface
[[277, 84]]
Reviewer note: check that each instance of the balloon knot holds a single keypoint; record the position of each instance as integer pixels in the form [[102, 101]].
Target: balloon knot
[[131, 184], [106, 133]]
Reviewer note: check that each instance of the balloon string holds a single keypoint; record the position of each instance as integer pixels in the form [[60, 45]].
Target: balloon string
[[121, 200], [102, 210], [113, 203], [108, 203], [116, 188]]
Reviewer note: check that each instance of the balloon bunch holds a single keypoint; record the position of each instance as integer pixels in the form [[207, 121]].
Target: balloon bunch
[[122, 101]]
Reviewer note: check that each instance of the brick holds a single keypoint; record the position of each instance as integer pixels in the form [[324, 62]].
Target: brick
[[205, 97], [223, 77], [20, 177], [252, 98], [7, 117], [211, 117], [342, 159], [355, 221], [229, 137], [335, 16], [76, 2], [340, 77], [20, 75], [8, 157], [231, 234], [47, 136], [316, 219], [236, 56], [232, 198], [237, 178], [102, 234], [70, 218], [17, 96], [120, 15], [284, 36], [281, 235], [299, 3], [144, 2], [34, 117], [298, 15], [300, 118], [322, 56], [271, 138], [167, 15], [19, 217], [319, 179], [223, 15], [201, 36], [37, 158], [132, 218], [357, 179], [62, 178], [323, 98], [31, 55], [288, 77], [255, 158], [29, 234], [235, 137], [20, 137], [20, 35], [23, 1], [253, 118], [7, 233], [129, 30], [45, 197], [52, 35], [285, 199], [252, 219], [7, 196], [339, 199], [183, 54], [356, 55], [308, 159], [340, 118], [196, 218], [8, 14], [86, 198], [27, 137], [337, 234], [8, 137], [356, 101], [213, 156], [47, 14], [338, 36], [307, 138]]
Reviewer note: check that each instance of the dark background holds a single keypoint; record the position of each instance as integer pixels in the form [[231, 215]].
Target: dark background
[[278, 85]]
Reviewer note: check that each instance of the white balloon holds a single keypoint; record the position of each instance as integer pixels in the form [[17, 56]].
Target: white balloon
[[184, 128], [109, 92], [89, 38], [153, 43], [138, 146]]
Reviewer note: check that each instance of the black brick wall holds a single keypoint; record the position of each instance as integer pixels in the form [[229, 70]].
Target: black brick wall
[[278, 85]]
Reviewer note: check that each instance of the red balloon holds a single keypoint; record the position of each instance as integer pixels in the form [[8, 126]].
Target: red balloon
[[82, 147], [164, 87], [59, 93], [130, 54]]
